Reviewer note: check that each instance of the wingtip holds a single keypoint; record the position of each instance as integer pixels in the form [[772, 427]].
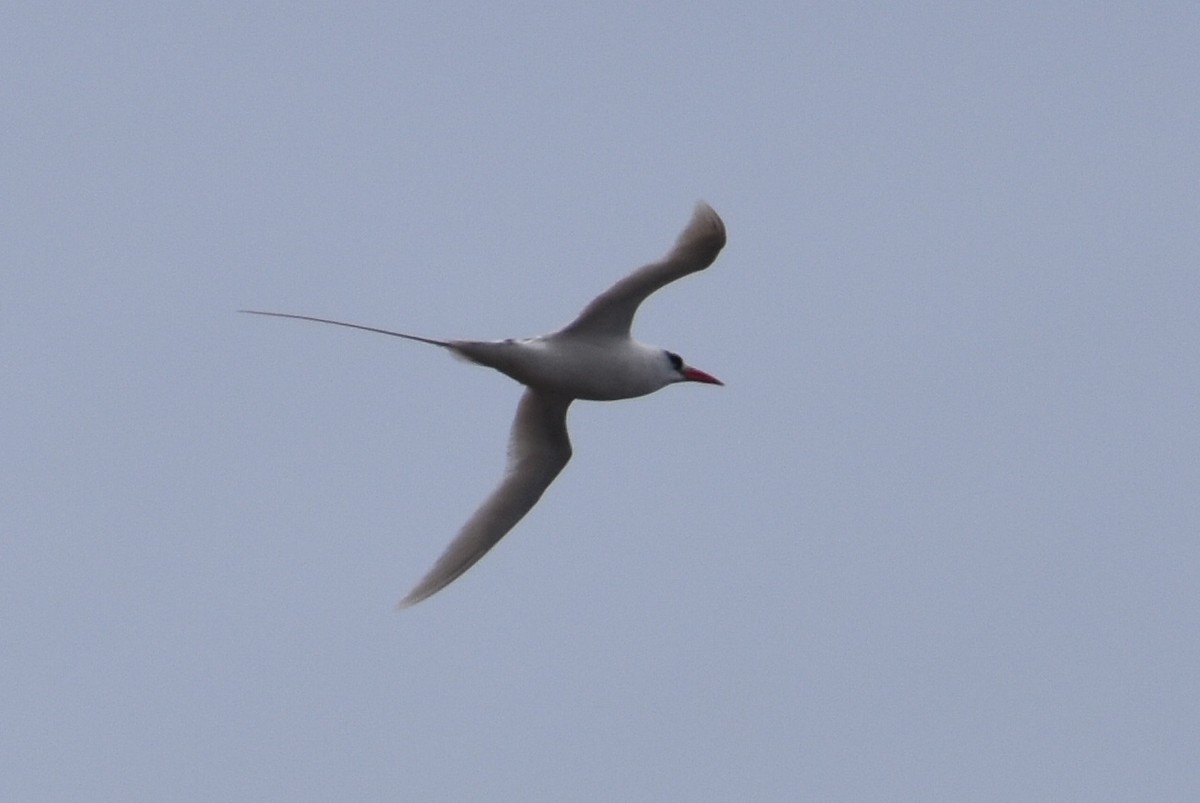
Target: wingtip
[[432, 584], [418, 594], [410, 601], [704, 212], [704, 234]]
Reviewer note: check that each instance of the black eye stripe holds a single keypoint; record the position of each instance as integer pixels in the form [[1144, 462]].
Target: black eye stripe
[[676, 360]]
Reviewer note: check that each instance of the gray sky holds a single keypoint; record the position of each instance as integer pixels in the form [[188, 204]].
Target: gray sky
[[936, 539]]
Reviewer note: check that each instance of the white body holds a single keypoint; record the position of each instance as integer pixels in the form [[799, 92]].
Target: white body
[[596, 369]]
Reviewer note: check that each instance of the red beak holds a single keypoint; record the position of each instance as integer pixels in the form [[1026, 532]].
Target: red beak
[[696, 375]]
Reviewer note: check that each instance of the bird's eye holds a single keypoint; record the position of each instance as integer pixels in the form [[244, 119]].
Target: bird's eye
[[676, 360]]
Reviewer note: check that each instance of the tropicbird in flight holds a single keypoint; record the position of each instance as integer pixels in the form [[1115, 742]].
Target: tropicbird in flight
[[593, 357]]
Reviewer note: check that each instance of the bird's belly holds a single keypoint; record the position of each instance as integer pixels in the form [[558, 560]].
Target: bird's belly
[[593, 380], [577, 371], [593, 371]]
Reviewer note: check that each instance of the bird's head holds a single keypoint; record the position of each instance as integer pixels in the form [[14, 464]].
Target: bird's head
[[682, 372]]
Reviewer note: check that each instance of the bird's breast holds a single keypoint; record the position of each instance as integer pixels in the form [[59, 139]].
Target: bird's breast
[[578, 370]]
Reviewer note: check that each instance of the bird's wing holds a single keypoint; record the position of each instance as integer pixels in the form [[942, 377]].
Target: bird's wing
[[611, 313], [538, 448]]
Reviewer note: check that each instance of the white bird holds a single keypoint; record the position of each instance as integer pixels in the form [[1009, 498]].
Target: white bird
[[593, 357]]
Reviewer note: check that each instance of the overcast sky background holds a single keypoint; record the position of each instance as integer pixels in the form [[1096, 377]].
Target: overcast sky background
[[935, 540]]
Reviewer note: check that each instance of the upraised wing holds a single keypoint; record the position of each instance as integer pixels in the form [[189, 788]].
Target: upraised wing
[[611, 313], [538, 449]]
